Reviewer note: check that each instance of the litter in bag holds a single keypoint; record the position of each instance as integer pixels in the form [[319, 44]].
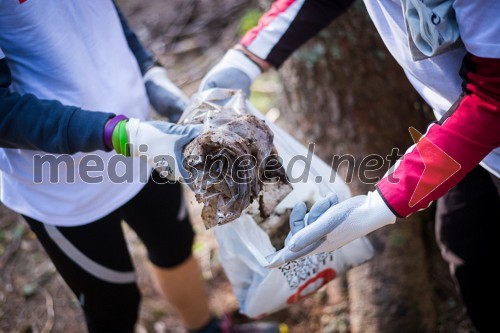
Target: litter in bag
[[233, 161]]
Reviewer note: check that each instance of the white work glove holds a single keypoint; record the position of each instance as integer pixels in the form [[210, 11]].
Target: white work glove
[[234, 71], [165, 97], [331, 225], [161, 143]]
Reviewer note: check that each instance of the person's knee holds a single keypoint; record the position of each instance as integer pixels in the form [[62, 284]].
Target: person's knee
[[175, 247]]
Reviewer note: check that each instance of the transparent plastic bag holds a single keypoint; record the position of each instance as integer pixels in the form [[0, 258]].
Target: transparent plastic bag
[[233, 158]]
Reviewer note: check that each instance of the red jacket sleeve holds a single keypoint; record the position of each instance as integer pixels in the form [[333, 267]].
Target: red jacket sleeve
[[451, 147]]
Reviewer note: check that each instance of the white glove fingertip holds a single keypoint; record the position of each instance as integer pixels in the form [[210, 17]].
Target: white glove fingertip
[[297, 216], [321, 206], [286, 255]]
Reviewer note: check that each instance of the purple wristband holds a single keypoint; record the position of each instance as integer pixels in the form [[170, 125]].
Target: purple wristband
[[109, 128]]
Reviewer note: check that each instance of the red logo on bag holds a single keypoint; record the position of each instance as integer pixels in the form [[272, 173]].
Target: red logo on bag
[[312, 285], [21, 1]]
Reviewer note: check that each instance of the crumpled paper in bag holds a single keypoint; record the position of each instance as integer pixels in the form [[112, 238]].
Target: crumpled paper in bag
[[233, 161]]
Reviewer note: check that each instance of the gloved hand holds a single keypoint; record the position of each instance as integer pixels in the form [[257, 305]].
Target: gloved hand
[[163, 94], [331, 225], [160, 142], [234, 71]]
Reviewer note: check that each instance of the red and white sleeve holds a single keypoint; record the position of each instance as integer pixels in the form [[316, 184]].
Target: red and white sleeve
[[451, 147], [289, 24]]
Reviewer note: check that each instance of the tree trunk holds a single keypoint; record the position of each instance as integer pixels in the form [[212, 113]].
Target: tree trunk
[[346, 94]]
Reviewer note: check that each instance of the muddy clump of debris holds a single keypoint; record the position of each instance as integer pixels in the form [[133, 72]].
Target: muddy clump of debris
[[233, 161]]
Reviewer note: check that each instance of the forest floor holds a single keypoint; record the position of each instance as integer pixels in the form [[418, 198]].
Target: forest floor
[[188, 37]]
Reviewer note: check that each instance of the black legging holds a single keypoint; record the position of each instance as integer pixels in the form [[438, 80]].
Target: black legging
[[467, 221], [94, 260]]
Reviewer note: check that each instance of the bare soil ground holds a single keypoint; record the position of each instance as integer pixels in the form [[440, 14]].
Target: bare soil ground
[[188, 36]]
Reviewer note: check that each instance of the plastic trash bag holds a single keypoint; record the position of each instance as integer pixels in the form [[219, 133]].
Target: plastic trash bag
[[243, 247], [244, 243]]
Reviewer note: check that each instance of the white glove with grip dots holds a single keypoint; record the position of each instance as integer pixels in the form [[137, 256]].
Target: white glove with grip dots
[[160, 142], [234, 71], [331, 225], [165, 97]]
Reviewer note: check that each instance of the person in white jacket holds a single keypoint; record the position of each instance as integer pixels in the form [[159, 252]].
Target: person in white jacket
[[75, 89], [450, 52]]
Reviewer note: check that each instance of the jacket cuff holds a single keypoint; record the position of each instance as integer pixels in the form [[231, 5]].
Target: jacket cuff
[[86, 130]]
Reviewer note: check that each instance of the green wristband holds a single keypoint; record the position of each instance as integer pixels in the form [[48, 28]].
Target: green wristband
[[124, 139], [119, 138]]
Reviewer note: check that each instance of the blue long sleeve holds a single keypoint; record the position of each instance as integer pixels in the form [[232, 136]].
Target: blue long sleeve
[[144, 58], [31, 123]]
